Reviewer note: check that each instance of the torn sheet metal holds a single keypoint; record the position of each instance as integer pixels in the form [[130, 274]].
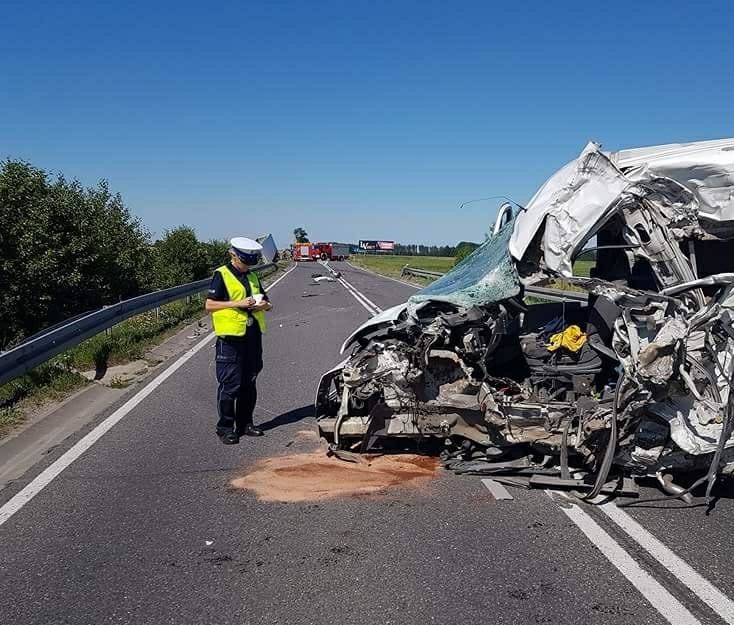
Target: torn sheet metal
[[581, 193], [706, 168], [572, 201], [638, 380], [386, 318]]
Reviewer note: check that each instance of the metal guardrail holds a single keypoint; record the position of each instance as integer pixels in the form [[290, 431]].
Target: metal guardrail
[[413, 271], [50, 342], [552, 295]]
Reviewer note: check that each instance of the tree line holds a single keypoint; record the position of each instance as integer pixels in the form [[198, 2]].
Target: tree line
[[67, 249]]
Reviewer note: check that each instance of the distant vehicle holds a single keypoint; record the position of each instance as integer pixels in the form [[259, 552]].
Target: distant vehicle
[[304, 252], [331, 251], [320, 251]]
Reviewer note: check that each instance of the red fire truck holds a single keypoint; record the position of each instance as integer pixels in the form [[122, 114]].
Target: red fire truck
[[320, 251], [332, 251], [304, 251]]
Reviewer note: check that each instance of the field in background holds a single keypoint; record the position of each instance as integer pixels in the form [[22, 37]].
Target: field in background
[[389, 265], [393, 265], [581, 268]]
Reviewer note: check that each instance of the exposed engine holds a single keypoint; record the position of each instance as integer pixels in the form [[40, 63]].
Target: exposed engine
[[629, 374]]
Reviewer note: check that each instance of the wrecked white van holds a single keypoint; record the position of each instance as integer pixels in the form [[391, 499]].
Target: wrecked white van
[[626, 372]]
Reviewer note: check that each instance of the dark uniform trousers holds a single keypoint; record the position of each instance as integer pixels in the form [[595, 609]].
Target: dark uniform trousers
[[238, 361]]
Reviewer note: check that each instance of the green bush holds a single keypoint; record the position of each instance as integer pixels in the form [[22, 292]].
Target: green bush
[[179, 257], [64, 249], [217, 253]]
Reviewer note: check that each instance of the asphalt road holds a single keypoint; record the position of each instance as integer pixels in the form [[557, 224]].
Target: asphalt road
[[144, 528]]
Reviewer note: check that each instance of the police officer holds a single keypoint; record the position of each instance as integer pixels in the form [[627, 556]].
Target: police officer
[[238, 303]]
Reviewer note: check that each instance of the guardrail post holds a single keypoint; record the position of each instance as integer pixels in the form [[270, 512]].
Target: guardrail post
[[108, 330]]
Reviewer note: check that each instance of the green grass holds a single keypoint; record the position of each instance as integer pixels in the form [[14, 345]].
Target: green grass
[[50, 381], [581, 268], [130, 339], [393, 265]]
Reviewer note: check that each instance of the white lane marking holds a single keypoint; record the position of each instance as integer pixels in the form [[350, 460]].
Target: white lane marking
[[43, 479], [653, 591], [359, 294], [498, 491], [325, 264], [368, 304], [699, 585], [363, 296], [50, 473], [364, 304], [379, 275]]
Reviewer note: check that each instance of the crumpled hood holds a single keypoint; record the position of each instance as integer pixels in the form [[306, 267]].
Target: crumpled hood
[[385, 318], [579, 195]]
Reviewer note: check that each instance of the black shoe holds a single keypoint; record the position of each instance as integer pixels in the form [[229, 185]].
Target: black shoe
[[230, 438], [251, 430]]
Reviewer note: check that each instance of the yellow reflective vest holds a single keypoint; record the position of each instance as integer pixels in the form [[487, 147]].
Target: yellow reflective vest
[[233, 321]]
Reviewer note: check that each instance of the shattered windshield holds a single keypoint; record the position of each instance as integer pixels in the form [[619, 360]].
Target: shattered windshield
[[487, 275]]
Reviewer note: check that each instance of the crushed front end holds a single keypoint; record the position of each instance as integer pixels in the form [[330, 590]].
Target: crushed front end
[[625, 373]]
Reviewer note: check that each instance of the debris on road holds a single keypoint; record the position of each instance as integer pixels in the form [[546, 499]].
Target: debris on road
[[314, 477], [201, 329], [497, 490], [627, 374]]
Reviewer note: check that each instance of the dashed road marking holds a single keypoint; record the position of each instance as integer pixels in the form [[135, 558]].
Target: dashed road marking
[[368, 304]]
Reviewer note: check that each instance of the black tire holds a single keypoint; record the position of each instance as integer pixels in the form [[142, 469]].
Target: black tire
[[324, 256]]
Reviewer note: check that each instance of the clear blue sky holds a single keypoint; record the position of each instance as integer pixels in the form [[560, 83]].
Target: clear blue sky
[[353, 120]]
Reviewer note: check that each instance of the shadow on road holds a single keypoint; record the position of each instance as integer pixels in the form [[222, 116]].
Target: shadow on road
[[292, 416]]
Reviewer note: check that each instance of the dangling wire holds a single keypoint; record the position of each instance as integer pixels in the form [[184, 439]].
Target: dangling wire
[[606, 465], [494, 197]]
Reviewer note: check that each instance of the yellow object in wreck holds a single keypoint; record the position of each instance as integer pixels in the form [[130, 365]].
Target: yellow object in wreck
[[572, 338]]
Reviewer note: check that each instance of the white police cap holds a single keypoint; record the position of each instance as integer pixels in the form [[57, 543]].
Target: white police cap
[[245, 245]]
